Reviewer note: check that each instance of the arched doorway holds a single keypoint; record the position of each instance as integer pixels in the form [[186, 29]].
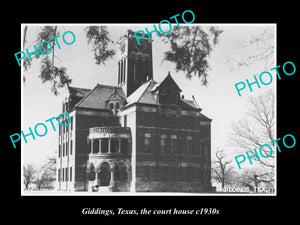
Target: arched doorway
[[104, 174]]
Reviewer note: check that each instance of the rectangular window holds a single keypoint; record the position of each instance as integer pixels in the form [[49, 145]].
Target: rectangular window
[[147, 142], [71, 147], [71, 122], [63, 150], [67, 148], [163, 122], [172, 121], [190, 123], [163, 143], [66, 174], [63, 174], [189, 144], [173, 143], [59, 151], [70, 173]]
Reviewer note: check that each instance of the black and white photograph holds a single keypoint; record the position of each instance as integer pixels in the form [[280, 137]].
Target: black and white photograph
[[169, 114], [140, 113]]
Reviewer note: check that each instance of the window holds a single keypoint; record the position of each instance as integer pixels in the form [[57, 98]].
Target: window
[[71, 122], [190, 123], [63, 174], [104, 145], [171, 121], [63, 149], [114, 145], [70, 173], [117, 105], [67, 148], [124, 145], [163, 143], [147, 142], [111, 105], [59, 151], [66, 173], [173, 143], [71, 147], [96, 146], [189, 144], [163, 121]]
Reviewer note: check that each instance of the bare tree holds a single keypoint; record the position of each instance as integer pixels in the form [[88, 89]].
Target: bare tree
[[221, 170], [253, 178], [46, 175], [260, 48], [29, 173], [257, 128]]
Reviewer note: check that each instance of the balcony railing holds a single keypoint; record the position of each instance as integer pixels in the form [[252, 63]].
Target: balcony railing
[[109, 130]]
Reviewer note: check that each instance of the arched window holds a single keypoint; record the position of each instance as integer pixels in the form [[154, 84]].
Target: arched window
[[117, 105], [111, 106]]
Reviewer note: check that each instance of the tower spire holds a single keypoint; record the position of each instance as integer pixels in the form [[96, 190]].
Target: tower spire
[[134, 63]]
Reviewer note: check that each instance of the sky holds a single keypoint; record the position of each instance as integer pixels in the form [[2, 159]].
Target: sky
[[219, 100]]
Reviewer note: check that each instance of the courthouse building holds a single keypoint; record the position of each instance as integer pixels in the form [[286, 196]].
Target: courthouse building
[[138, 136]]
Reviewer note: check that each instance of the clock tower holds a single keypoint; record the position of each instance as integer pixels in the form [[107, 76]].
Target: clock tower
[[134, 62]]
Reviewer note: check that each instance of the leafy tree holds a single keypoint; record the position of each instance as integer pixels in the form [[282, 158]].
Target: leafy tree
[[50, 72], [99, 37], [190, 47]]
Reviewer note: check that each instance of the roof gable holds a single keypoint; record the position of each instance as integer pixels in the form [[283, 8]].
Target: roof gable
[[98, 96], [78, 92], [167, 83], [143, 94]]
